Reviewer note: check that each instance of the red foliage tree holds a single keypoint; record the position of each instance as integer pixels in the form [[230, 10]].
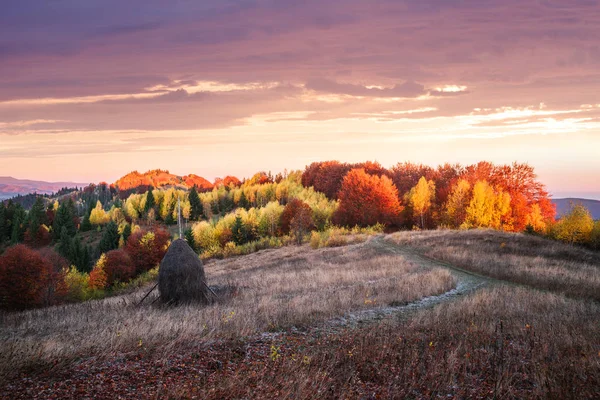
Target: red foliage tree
[[147, 248], [118, 267], [24, 278], [40, 239], [57, 289], [406, 175], [368, 199], [296, 217]]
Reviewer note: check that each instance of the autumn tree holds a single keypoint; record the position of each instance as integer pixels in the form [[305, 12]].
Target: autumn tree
[[24, 278], [488, 208], [298, 210], [98, 216], [420, 199], [118, 267], [367, 200], [455, 211], [147, 248], [98, 279], [575, 227]]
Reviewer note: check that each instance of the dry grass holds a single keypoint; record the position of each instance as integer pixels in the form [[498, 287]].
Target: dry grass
[[519, 258], [272, 289], [505, 342]]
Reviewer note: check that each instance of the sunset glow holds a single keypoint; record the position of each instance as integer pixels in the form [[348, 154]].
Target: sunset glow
[[92, 90]]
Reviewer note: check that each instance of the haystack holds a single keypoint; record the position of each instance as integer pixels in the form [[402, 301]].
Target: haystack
[[181, 276]]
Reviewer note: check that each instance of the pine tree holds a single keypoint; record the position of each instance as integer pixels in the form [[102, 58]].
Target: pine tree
[[126, 233], [238, 231], [15, 237], [196, 208], [35, 218], [64, 244], [79, 255], [86, 225], [64, 218], [110, 238], [243, 202], [189, 238], [150, 202]]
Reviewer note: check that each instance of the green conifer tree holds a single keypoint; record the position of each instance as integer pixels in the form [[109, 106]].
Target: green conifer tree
[[64, 218], [86, 225], [64, 244], [238, 231], [243, 202], [189, 238], [196, 208], [110, 238], [126, 233], [150, 201]]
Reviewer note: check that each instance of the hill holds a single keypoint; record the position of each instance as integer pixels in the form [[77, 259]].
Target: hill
[[158, 178], [395, 316], [11, 187], [564, 205]]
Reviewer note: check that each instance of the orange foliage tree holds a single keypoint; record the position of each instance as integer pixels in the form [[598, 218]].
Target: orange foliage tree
[[367, 200], [24, 278]]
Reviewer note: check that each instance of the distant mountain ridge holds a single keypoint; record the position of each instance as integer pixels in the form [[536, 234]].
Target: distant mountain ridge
[[564, 205], [11, 187]]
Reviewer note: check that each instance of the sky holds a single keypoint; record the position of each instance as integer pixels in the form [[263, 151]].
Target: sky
[[91, 90]]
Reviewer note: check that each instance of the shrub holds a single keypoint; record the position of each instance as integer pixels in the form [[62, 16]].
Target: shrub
[[77, 285], [118, 267], [24, 278]]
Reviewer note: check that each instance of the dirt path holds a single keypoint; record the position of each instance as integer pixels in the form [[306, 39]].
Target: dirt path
[[466, 283]]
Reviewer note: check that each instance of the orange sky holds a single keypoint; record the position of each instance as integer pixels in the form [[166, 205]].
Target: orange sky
[[90, 91]]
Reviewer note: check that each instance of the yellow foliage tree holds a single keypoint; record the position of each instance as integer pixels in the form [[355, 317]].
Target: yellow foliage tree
[[98, 216], [576, 226], [420, 198], [535, 219], [488, 208], [458, 201]]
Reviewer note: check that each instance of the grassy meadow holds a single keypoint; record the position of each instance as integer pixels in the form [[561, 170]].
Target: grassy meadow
[[281, 328]]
